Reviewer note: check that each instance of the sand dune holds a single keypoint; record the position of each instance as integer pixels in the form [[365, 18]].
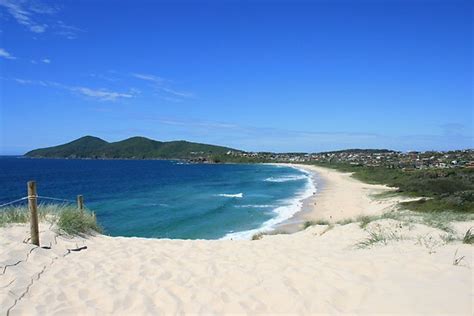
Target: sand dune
[[316, 271]]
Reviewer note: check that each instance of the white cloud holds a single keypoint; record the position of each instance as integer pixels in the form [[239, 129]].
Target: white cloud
[[34, 82], [5, 54], [159, 85], [151, 78], [46, 61], [102, 94], [177, 93], [23, 15], [29, 13], [99, 94], [68, 31]]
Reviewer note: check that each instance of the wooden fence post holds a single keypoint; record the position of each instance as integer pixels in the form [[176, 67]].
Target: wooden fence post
[[80, 202], [33, 208]]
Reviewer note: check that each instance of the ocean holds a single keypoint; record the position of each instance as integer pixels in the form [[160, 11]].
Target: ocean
[[166, 199]]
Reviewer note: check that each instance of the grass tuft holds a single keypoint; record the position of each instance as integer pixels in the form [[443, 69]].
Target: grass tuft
[[378, 237], [364, 220], [469, 237], [346, 221], [75, 222], [448, 238], [313, 223], [68, 219]]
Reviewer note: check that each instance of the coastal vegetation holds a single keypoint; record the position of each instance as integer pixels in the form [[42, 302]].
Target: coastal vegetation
[[469, 237], [131, 148], [68, 219], [317, 222], [441, 189]]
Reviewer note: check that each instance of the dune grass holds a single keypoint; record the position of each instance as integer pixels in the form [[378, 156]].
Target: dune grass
[[378, 237], [257, 236], [75, 222], [469, 236], [440, 220], [317, 222], [68, 218]]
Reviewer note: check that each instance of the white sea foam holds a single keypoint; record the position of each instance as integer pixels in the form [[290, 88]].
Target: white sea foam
[[254, 206], [283, 212], [286, 178], [238, 195]]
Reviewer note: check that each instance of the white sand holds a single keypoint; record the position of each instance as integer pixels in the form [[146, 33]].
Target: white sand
[[344, 197], [316, 271]]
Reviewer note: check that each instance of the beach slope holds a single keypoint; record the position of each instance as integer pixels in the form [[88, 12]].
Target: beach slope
[[325, 269]]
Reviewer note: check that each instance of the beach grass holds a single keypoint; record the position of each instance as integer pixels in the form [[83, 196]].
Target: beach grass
[[469, 236], [316, 222], [378, 237], [346, 221], [76, 222], [68, 219], [257, 236], [260, 235]]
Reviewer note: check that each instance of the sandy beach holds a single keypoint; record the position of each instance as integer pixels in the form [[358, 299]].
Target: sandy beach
[[321, 270], [338, 197]]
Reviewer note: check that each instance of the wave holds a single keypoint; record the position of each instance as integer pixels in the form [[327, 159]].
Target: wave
[[254, 206], [283, 212], [155, 204], [286, 178], [238, 195]]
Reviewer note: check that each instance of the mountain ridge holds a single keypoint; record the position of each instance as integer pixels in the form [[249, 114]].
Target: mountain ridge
[[136, 147]]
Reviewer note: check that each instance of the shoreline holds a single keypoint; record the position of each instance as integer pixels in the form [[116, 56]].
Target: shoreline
[[338, 197], [320, 270]]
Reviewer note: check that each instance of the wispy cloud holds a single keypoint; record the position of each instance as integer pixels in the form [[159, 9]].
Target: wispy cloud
[[177, 93], [32, 15], [31, 82], [98, 94], [46, 61], [102, 94], [5, 54], [23, 14], [68, 31], [285, 140], [162, 86], [151, 78]]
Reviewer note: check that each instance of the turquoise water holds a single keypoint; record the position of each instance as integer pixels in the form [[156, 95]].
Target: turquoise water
[[152, 198]]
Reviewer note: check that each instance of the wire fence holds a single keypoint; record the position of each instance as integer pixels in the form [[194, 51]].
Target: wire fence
[[37, 197]]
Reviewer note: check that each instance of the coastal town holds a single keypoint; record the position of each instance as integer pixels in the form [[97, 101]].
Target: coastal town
[[372, 158]]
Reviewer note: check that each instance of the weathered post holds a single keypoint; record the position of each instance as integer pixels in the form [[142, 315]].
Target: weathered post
[[33, 208], [80, 202]]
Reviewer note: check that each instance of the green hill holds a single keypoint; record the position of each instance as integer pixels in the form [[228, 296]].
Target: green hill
[[131, 148]]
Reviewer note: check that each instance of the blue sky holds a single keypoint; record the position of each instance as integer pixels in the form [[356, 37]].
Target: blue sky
[[261, 75]]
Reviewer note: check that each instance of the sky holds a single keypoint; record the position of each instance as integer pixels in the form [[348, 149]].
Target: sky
[[281, 76]]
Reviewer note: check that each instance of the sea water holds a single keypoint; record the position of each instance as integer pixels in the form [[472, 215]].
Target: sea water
[[166, 199]]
